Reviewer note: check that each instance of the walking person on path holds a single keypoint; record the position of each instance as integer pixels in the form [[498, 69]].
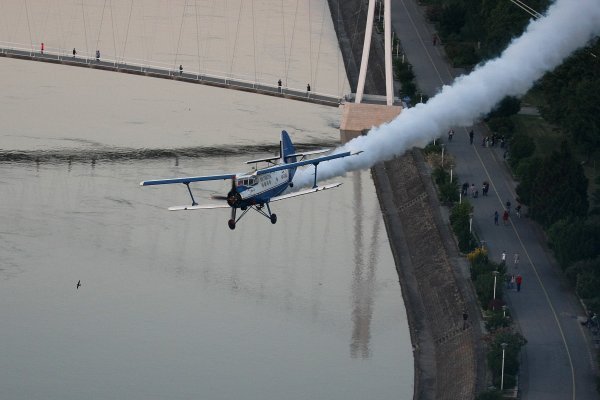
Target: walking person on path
[[505, 217], [516, 260], [450, 134], [519, 280], [496, 215], [471, 136], [503, 258]]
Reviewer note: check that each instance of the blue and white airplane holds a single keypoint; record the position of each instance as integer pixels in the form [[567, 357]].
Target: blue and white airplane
[[256, 189]]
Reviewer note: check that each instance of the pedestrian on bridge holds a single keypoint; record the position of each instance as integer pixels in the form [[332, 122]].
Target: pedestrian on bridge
[[74, 52], [308, 87], [97, 55], [42, 48]]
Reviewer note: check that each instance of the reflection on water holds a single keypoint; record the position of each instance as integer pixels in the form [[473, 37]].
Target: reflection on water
[[363, 284], [175, 305]]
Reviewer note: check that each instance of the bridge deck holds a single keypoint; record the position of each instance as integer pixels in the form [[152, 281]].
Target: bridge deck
[[166, 73]]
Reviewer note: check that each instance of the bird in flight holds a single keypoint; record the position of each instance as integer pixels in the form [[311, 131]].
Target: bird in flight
[[78, 284]]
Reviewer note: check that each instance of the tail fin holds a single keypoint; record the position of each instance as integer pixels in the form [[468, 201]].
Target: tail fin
[[287, 148]]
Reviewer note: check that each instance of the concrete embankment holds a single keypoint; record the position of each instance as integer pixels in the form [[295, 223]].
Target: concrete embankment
[[448, 355]]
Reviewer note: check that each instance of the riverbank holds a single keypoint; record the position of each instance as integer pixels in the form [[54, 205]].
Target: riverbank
[[448, 355]]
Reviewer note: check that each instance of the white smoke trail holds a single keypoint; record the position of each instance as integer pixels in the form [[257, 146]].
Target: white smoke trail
[[567, 26]]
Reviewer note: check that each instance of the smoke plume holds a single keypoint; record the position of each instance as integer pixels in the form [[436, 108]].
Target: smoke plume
[[567, 26]]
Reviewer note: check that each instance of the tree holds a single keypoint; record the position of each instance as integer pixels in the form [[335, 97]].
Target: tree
[[559, 189], [574, 239]]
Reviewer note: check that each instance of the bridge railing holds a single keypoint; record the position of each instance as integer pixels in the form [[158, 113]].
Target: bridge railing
[[163, 69]]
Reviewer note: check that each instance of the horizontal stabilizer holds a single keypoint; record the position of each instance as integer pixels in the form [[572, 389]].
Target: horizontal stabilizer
[[205, 207], [307, 191], [187, 179]]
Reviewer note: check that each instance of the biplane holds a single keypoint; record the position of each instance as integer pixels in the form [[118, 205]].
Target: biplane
[[255, 190]]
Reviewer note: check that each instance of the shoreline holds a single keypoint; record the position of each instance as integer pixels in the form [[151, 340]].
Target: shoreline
[[449, 361]]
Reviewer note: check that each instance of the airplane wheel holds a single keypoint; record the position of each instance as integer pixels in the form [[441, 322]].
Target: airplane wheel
[[273, 218], [231, 224]]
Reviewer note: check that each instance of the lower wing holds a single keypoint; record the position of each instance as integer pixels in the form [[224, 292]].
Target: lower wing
[[307, 191], [206, 207]]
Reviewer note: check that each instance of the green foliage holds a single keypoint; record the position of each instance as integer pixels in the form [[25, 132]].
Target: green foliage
[[490, 395], [507, 107], [459, 220], [558, 188], [501, 125], [588, 284], [521, 146], [514, 342], [440, 175], [449, 192], [433, 148], [452, 19], [497, 320], [574, 239], [571, 96], [409, 89]]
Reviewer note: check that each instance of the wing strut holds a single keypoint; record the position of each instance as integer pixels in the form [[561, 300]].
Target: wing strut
[[315, 182], [191, 195]]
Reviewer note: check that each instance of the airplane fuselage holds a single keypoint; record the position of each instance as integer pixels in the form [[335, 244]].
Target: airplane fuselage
[[259, 189]]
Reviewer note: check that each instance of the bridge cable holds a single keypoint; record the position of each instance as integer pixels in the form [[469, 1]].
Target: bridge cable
[[310, 47], [283, 38], [319, 47], [84, 27], [28, 25], [127, 32], [237, 31], [112, 23], [197, 34], [180, 30], [291, 45], [254, 42], [100, 28]]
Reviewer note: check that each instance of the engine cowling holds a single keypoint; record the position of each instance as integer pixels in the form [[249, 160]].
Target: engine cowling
[[234, 199]]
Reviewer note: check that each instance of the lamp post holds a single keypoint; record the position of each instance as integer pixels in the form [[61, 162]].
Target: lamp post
[[451, 166], [471, 223], [495, 278], [443, 146], [502, 375]]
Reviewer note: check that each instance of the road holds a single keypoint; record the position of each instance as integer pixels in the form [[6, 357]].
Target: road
[[557, 362]]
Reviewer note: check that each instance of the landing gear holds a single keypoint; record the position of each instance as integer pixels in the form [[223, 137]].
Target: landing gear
[[259, 208]]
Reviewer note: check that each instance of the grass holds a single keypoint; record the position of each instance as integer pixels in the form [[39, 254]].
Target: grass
[[546, 136]]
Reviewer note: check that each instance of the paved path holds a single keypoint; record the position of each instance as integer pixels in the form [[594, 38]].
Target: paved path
[[557, 362]]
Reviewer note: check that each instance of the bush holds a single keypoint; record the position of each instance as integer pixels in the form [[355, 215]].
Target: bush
[[459, 219], [490, 395], [514, 343], [433, 148], [497, 320], [521, 146], [501, 125], [449, 192], [509, 106]]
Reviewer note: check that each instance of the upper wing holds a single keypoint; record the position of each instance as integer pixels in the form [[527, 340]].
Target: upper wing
[[307, 153], [187, 179], [268, 159], [305, 162], [307, 191], [206, 207]]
